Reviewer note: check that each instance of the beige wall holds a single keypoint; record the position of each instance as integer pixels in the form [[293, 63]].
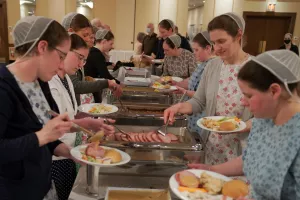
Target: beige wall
[[146, 11], [13, 15], [124, 31], [71, 6], [106, 11], [41, 7], [208, 13], [280, 7], [182, 16]]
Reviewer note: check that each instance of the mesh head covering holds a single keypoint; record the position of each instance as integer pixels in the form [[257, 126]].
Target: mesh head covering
[[171, 24], [67, 20], [30, 29], [238, 20], [206, 36], [100, 34], [176, 40], [283, 64]]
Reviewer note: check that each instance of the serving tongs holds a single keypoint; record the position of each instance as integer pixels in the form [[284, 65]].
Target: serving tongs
[[163, 133], [121, 131], [89, 133]]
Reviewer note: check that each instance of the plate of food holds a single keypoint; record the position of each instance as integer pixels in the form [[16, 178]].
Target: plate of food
[[117, 193], [221, 124], [201, 184], [98, 109], [163, 87], [93, 154]]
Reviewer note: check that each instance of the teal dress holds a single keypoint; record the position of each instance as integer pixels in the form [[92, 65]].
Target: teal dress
[[272, 159], [193, 85]]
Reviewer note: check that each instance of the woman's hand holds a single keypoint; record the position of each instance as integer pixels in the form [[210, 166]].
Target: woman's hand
[[96, 125], [169, 114], [117, 89], [200, 166], [179, 90], [54, 129]]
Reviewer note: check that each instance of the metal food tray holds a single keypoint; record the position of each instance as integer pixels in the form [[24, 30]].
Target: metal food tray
[[186, 141]]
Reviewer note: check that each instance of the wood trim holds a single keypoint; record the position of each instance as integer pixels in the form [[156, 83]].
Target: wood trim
[[4, 15], [274, 14]]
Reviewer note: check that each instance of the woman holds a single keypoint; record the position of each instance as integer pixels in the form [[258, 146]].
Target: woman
[[289, 45], [80, 25], [218, 93], [271, 161], [29, 137], [203, 52], [139, 43], [96, 65], [63, 169], [178, 62]]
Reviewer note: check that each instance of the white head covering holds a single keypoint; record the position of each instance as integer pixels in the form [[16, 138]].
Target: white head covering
[[206, 36], [238, 20], [100, 34], [171, 24], [30, 29], [67, 20], [176, 40], [283, 64]]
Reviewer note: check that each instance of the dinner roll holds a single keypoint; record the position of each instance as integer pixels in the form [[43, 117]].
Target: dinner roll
[[114, 155], [235, 189], [227, 126]]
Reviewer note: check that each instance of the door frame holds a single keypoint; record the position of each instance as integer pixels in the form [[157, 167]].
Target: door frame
[[6, 43], [273, 14]]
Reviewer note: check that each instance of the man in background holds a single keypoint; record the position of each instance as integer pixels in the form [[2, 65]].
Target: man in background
[[150, 40], [97, 23]]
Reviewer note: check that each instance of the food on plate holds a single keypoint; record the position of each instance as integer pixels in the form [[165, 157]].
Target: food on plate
[[114, 155], [211, 184], [235, 189], [166, 80], [100, 109], [146, 137], [94, 153], [97, 137], [227, 126], [224, 124], [187, 179], [158, 85], [189, 182]]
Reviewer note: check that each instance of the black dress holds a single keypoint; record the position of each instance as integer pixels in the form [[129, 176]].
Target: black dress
[[293, 48]]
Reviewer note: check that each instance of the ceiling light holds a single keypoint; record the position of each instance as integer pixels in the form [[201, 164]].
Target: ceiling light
[[203, 1], [22, 2], [89, 4]]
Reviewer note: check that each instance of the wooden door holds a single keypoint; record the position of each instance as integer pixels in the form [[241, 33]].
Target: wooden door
[[265, 31], [4, 55]]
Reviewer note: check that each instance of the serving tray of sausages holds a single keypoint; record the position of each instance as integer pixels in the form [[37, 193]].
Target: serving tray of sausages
[[146, 137]]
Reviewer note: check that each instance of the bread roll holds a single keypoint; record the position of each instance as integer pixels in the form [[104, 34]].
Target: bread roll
[[227, 126], [235, 189], [114, 155]]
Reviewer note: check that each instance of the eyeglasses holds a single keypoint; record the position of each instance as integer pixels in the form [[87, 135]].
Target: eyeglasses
[[80, 57], [62, 55]]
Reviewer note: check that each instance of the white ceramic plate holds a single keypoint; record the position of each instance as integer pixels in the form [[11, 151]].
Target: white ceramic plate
[[75, 152], [87, 107], [177, 79], [174, 184], [172, 88], [158, 61], [133, 190], [155, 78], [241, 124]]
